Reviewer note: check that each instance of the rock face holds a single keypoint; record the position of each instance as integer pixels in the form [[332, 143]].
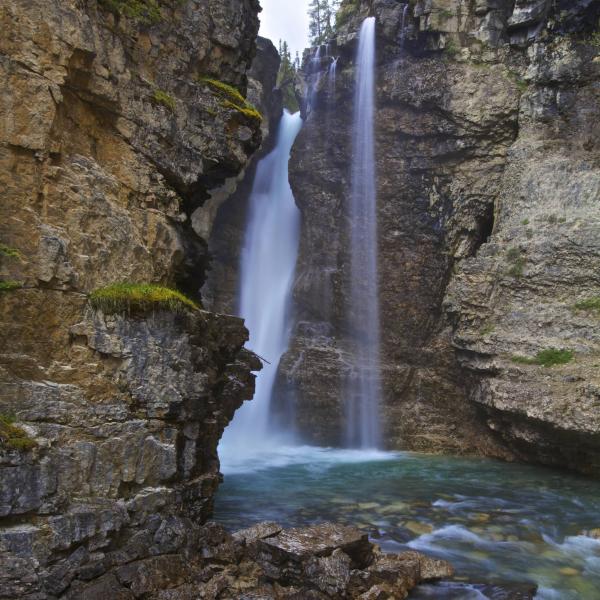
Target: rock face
[[112, 133], [488, 161]]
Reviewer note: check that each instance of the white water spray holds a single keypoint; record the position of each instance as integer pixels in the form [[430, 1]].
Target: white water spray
[[364, 391], [267, 269]]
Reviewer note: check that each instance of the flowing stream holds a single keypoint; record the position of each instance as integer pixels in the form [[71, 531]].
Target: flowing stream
[[363, 392], [267, 269], [495, 522]]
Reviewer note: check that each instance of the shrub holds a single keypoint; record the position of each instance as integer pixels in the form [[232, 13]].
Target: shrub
[[12, 436], [9, 286], [546, 358], [232, 98], [589, 304], [144, 11], [525, 222], [451, 48], [139, 297], [161, 97]]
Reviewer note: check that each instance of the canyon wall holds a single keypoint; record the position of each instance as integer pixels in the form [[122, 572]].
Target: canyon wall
[[488, 161], [117, 132]]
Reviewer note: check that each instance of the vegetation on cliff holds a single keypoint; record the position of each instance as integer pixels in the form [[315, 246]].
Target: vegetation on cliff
[[144, 11], [140, 297], [546, 358], [232, 98], [165, 99], [13, 437]]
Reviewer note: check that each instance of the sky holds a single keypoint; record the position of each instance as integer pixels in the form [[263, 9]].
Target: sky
[[286, 20]]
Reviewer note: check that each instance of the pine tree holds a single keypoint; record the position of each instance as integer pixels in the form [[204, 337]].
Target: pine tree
[[322, 20], [286, 78]]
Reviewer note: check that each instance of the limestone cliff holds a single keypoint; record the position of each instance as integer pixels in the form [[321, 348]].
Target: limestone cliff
[[119, 119], [488, 161]]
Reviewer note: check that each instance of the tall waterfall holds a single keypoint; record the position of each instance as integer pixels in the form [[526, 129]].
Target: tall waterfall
[[267, 269], [364, 391]]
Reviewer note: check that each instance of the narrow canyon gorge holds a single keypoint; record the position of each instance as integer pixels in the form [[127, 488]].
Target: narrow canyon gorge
[[438, 257]]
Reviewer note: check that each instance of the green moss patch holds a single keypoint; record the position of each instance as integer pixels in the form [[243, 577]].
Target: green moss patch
[[140, 297], [546, 358], [166, 100], [9, 252], [9, 285], [592, 304], [13, 437], [143, 11], [232, 98]]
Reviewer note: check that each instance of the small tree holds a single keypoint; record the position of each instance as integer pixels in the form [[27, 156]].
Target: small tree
[[286, 78], [322, 20]]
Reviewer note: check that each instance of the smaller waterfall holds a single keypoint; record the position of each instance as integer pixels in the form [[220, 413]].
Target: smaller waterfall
[[331, 75], [314, 79], [268, 264], [364, 391], [403, 24]]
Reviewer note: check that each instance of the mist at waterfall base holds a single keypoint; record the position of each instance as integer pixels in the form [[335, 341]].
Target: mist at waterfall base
[[267, 269]]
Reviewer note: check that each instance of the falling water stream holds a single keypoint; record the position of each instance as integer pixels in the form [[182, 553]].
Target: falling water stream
[[363, 392], [267, 269]]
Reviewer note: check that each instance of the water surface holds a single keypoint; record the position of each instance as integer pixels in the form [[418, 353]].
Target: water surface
[[494, 522]]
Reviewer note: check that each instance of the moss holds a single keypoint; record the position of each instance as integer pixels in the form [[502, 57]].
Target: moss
[[562, 219], [248, 111], [232, 98], [521, 84], [529, 233], [9, 252], [161, 97], [146, 12], [12, 436], [592, 304], [140, 297], [525, 222], [224, 89], [9, 286], [445, 14], [546, 358], [552, 219]]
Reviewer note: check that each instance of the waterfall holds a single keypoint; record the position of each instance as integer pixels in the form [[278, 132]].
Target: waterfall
[[364, 391], [314, 79], [268, 263], [403, 24], [332, 74]]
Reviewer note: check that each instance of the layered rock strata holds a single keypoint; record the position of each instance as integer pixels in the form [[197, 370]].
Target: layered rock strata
[[489, 192], [118, 121]]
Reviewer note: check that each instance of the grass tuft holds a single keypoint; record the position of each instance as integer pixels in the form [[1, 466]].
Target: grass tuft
[[589, 304], [517, 261], [232, 98], [9, 285], [13, 437], [546, 358], [161, 97], [9, 252], [140, 297]]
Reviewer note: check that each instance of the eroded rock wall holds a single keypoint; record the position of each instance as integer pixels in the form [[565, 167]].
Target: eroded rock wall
[[486, 139], [110, 139]]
